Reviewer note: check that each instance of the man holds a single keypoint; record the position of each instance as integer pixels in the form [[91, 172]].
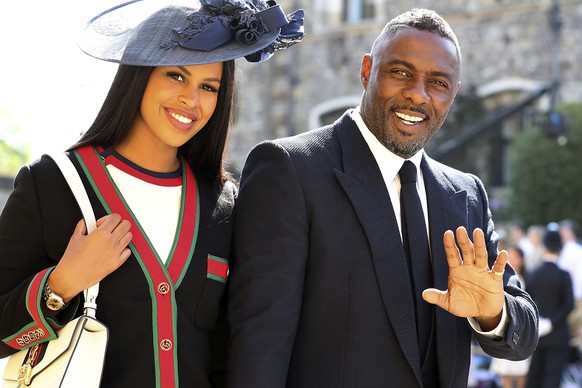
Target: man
[[551, 289], [571, 260], [571, 254], [321, 292]]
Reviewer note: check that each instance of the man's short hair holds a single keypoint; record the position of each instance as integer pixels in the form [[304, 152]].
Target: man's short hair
[[422, 19]]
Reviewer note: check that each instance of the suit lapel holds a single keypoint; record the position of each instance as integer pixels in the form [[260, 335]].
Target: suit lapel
[[447, 209], [363, 183]]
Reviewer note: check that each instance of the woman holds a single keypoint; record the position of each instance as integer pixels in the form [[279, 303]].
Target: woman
[[152, 164]]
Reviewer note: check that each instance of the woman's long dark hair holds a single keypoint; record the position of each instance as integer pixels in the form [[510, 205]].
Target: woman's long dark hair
[[205, 152]]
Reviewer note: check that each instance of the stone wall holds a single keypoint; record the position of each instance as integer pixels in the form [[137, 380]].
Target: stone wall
[[502, 41]]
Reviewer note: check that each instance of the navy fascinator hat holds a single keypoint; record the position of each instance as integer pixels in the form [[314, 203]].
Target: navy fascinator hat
[[190, 32]]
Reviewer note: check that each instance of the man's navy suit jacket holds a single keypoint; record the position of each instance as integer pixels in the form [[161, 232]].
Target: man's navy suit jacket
[[320, 294]]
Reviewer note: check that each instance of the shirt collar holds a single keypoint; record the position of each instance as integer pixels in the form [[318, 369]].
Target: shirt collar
[[388, 162]]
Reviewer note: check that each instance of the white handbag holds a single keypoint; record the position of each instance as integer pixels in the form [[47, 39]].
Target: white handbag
[[74, 359]]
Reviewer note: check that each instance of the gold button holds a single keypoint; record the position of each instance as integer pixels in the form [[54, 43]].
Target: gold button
[[163, 288], [166, 344]]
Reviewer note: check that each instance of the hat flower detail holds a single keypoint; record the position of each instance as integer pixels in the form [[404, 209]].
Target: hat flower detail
[[245, 22], [248, 28]]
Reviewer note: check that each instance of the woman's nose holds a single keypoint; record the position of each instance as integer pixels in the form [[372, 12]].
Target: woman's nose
[[190, 98]]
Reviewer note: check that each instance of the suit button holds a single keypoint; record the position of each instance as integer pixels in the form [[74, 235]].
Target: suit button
[[515, 338]]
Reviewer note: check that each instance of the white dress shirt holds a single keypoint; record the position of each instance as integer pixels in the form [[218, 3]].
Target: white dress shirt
[[389, 165]]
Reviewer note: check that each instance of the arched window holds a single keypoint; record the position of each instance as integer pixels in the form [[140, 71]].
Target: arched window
[[329, 111]]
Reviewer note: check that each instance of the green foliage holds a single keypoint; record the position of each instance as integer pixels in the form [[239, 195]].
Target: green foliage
[[546, 173], [11, 159], [13, 150]]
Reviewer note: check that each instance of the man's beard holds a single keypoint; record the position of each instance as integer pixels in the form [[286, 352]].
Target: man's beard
[[404, 149], [380, 125]]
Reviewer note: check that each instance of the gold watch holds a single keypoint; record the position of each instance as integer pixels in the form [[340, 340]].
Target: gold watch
[[53, 301]]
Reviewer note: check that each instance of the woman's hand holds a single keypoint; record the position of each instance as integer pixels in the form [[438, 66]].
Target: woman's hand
[[90, 258]]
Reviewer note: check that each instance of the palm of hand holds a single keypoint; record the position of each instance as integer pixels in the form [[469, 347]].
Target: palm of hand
[[473, 292]]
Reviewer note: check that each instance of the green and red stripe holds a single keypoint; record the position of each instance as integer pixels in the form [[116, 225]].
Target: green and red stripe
[[163, 307]]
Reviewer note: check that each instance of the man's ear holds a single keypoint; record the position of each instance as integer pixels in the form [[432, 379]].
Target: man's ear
[[458, 88], [365, 69]]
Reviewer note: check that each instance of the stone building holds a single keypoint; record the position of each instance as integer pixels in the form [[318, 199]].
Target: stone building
[[511, 50]]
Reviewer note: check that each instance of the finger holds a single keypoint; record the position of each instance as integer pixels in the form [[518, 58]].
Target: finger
[[436, 297], [125, 240], [498, 268], [451, 250], [102, 220], [125, 254], [109, 222], [466, 246], [80, 228], [481, 254], [122, 227]]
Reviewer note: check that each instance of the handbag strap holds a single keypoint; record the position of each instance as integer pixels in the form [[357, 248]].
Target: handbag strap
[[70, 173]]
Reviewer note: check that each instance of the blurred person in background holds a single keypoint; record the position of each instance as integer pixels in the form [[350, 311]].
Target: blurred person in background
[[571, 260], [513, 374], [518, 236], [551, 289], [571, 255], [535, 234]]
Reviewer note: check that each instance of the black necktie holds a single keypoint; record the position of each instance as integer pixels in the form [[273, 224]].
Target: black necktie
[[415, 241]]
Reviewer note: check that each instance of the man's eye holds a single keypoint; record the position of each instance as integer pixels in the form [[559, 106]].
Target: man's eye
[[441, 83]]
